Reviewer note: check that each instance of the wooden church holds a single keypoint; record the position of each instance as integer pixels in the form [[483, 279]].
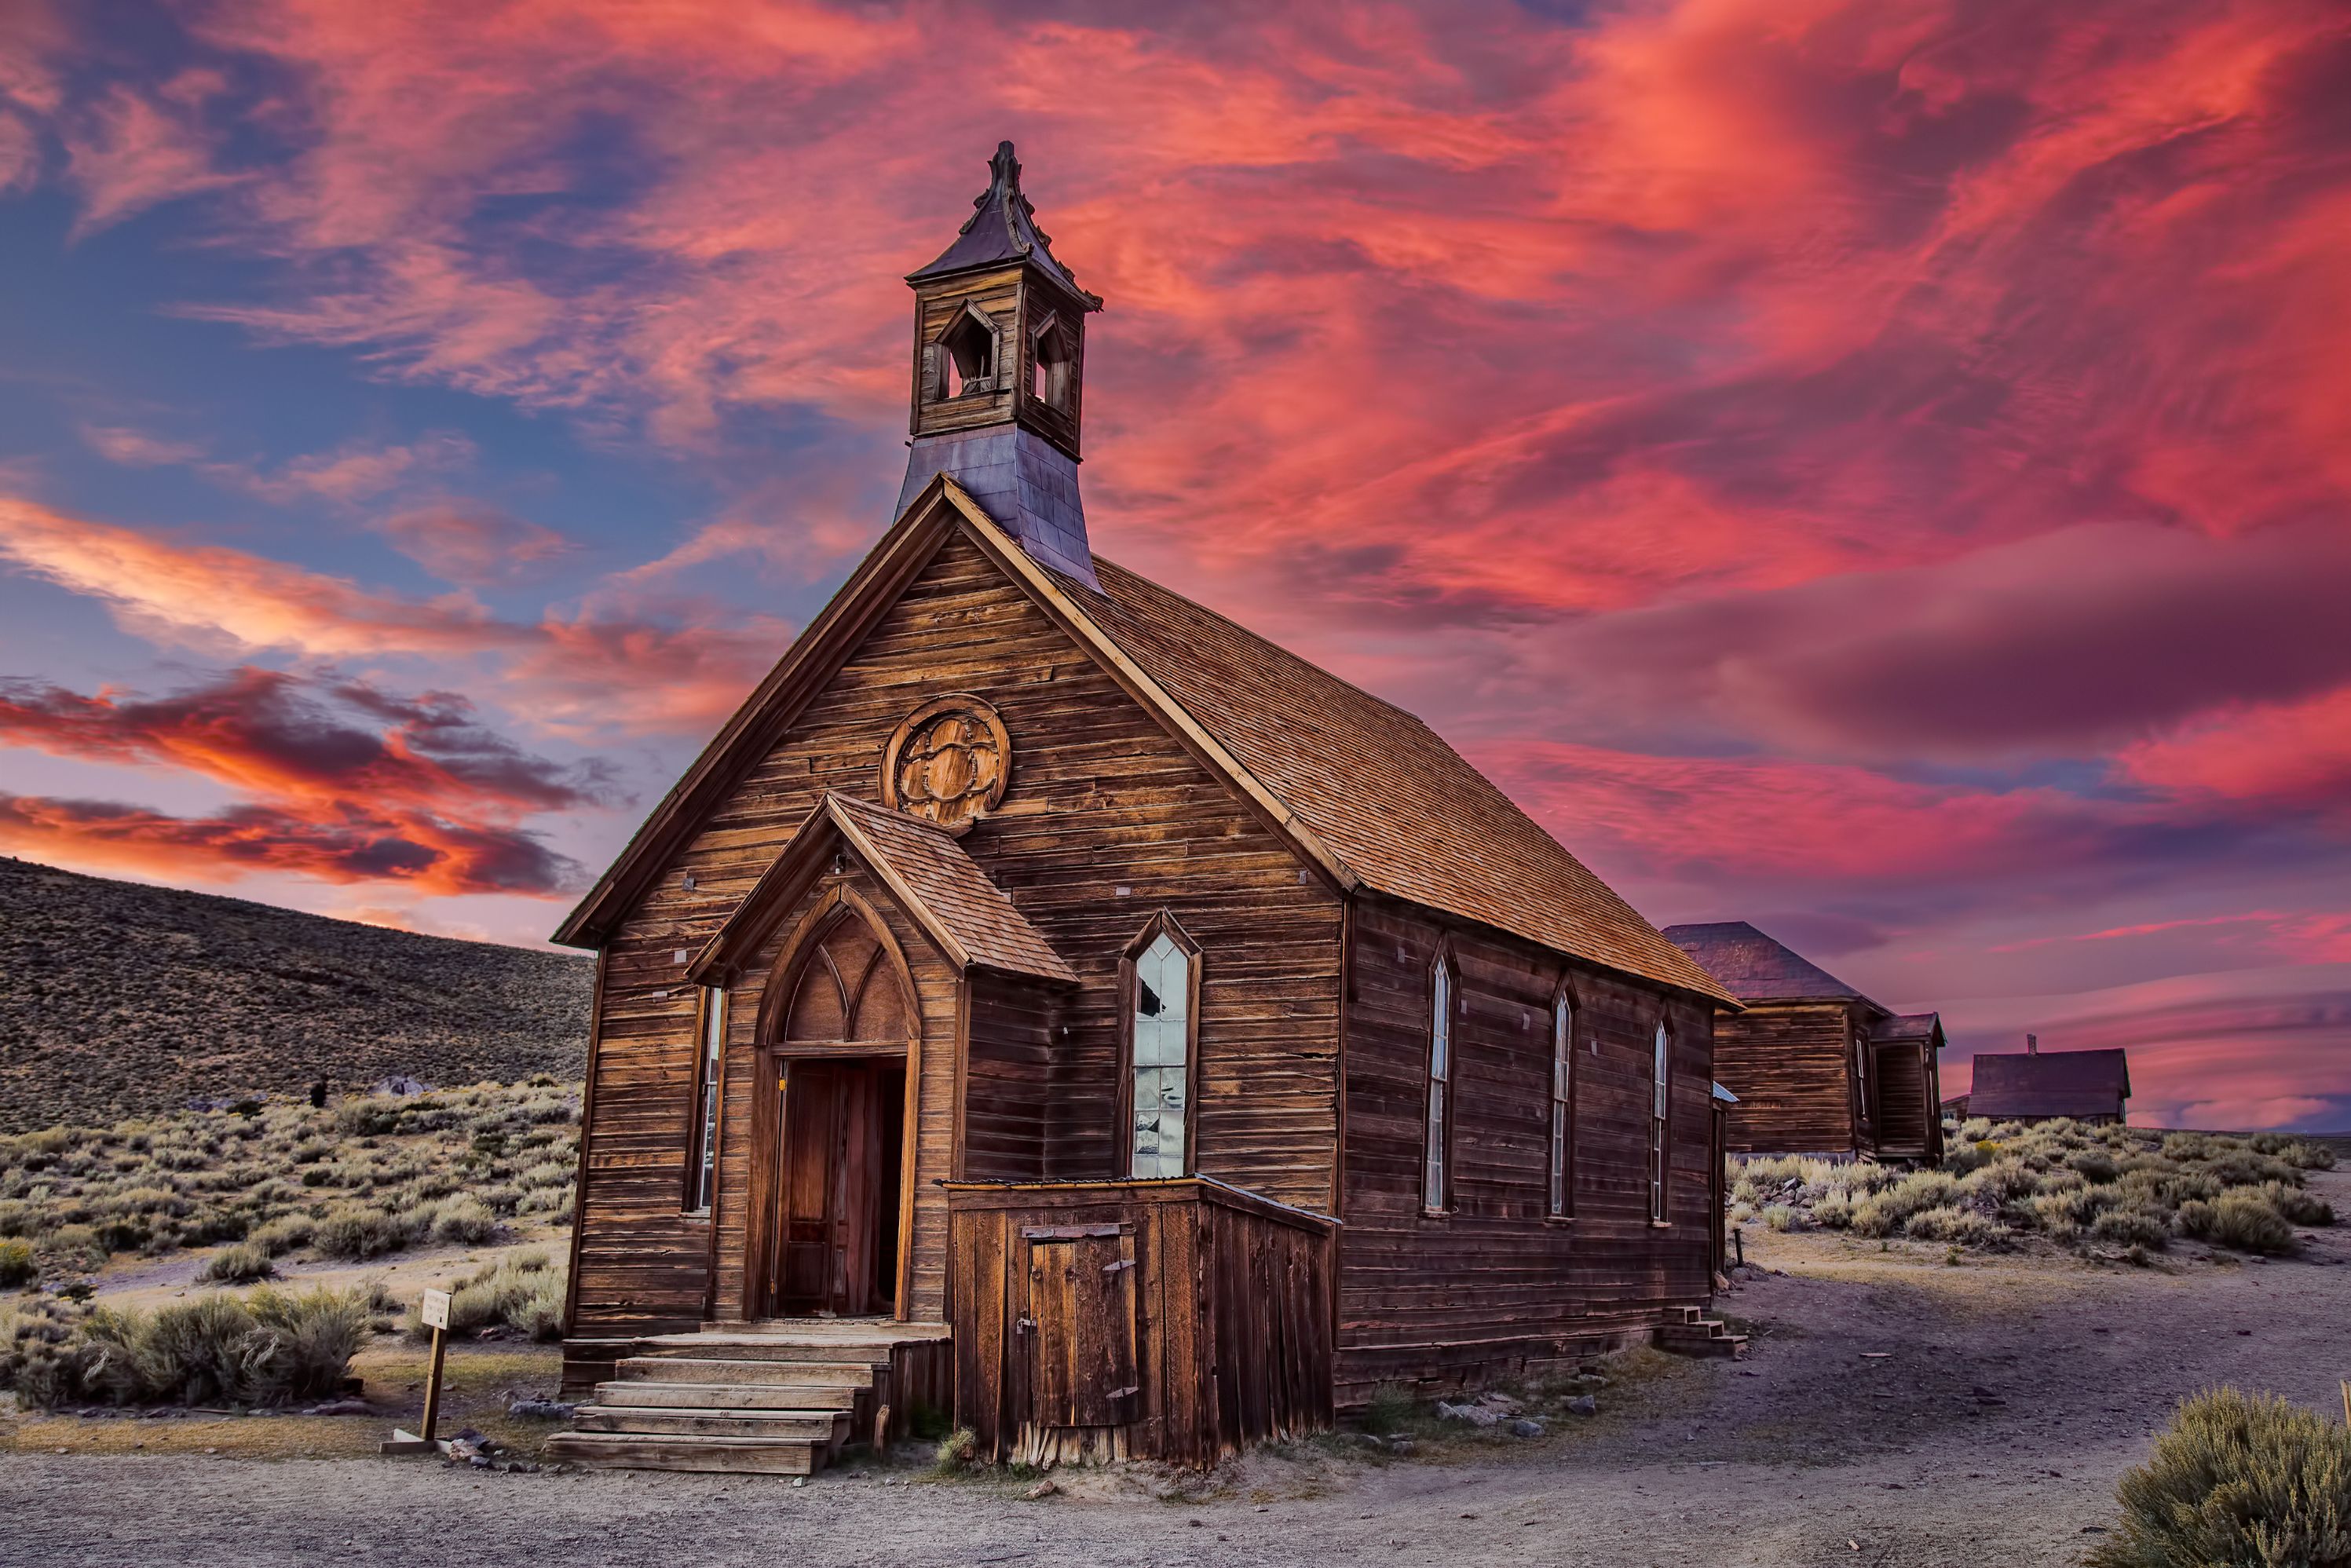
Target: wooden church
[[1049, 1005]]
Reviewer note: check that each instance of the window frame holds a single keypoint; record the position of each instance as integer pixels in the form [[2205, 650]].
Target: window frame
[[1661, 1111], [1559, 1153], [1440, 1092], [699, 1193], [1163, 922]]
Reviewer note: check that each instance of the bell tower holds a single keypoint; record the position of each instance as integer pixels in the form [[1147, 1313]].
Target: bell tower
[[1000, 374]]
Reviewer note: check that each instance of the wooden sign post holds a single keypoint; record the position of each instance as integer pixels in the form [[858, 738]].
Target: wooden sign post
[[434, 1311]]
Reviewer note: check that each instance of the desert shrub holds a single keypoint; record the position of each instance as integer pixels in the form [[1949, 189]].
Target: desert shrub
[[2307, 1156], [1964, 1227], [358, 1230], [75, 1246], [284, 1233], [1884, 1212], [1961, 1158], [2242, 1167], [1781, 1216], [2001, 1180], [2295, 1206], [2094, 1165], [241, 1264], [524, 1292], [2238, 1478], [2239, 1219], [17, 1265], [2133, 1227], [465, 1220], [263, 1348], [2068, 1208]]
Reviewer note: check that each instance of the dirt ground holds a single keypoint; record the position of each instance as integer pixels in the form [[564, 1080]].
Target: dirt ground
[[1895, 1410]]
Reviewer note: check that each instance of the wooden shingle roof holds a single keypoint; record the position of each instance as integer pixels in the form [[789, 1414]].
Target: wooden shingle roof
[[1391, 801], [939, 887]]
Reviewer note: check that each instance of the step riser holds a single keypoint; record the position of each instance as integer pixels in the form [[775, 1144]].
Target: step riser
[[782, 1457], [695, 1424], [809, 1354], [680, 1369], [727, 1397]]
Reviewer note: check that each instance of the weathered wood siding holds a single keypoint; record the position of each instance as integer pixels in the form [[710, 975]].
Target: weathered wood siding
[[1218, 1336], [1495, 1285], [1007, 1079], [1791, 1064], [1106, 819], [1903, 1090]]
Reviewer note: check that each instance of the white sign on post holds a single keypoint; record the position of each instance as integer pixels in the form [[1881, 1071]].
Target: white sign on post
[[436, 1309]]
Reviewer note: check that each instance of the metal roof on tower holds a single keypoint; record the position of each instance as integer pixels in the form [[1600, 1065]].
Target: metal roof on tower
[[1001, 230]]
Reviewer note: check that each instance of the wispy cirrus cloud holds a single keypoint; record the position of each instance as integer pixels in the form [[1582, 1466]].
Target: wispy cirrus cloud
[[579, 669]]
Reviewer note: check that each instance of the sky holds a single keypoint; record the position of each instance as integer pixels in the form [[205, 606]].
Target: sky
[[1880, 469]]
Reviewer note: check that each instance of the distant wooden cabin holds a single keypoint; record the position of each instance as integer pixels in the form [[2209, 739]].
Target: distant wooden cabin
[[2036, 1086], [1818, 1068], [1046, 999]]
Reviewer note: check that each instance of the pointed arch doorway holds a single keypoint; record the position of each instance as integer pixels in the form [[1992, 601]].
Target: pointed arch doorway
[[843, 1043]]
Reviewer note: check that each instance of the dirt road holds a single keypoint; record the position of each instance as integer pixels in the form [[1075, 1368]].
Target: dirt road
[[1895, 1411]]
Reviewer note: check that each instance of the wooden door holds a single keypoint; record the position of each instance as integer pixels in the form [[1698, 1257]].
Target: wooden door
[[1082, 1303], [840, 1185]]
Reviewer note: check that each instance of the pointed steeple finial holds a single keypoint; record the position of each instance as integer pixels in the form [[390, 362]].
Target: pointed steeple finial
[[1002, 229]]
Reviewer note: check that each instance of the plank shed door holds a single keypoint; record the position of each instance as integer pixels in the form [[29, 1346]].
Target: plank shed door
[[1082, 1301]]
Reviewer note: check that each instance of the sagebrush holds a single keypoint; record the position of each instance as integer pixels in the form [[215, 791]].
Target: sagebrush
[[265, 1347], [370, 1176], [2238, 1478], [2125, 1188]]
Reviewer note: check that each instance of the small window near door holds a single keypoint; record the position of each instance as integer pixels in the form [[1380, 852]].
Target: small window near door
[[1563, 1107], [701, 1145], [1161, 987]]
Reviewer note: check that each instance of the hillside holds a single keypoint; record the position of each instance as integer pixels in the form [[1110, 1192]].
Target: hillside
[[119, 999]]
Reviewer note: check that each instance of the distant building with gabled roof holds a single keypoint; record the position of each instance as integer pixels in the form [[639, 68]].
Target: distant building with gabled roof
[[2035, 1085], [1819, 1068]]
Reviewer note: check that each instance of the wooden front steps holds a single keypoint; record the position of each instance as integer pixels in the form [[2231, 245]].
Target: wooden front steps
[[1692, 1333], [777, 1398]]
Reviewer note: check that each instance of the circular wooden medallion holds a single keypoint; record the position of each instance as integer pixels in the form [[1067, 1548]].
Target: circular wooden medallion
[[948, 762]]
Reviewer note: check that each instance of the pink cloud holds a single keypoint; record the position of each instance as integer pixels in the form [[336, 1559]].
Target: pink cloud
[[583, 670], [130, 152], [474, 545]]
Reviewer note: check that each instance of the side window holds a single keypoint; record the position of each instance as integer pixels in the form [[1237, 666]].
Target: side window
[[1162, 1031], [1562, 1106], [1661, 1084], [702, 1132], [1438, 1134]]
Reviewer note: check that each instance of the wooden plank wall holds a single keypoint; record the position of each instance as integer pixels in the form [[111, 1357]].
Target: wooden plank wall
[[1232, 1304], [1903, 1118], [1495, 1287], [1007, 1079], [1791, 1064], [1100, 799]]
